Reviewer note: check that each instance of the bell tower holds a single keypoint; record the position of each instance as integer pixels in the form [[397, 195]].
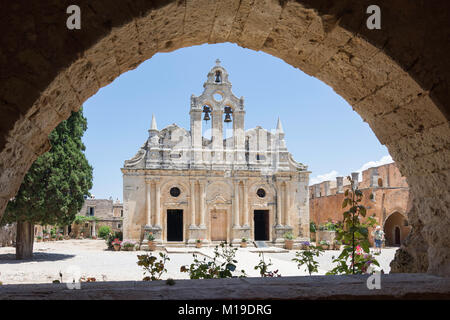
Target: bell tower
[[219, 105]]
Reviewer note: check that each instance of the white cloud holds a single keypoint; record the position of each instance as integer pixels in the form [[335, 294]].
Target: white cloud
[[333, 174], [371, 164], [324, 177]]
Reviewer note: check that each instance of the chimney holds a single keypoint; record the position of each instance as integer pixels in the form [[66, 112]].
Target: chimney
[[317, 190], [374, 177], [326, 185], [339, 184], [355, 178]]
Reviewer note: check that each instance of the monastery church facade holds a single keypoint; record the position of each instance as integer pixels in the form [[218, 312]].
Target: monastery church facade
[[184, 185]]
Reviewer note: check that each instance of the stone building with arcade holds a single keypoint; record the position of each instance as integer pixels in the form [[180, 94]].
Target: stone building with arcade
[[214, 184]]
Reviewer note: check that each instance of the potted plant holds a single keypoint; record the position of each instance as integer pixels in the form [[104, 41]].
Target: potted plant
[[60, 237], [244, 243], [288, 240], [151, 242], [116, 244], [305, 245], [128, 245], [38, 238], [324, 244], [53, 237], [198, 243]]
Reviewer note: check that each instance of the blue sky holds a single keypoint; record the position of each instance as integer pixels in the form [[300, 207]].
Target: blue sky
[[320, 126]]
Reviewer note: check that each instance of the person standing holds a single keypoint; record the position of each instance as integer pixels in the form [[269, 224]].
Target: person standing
[[378, 236]]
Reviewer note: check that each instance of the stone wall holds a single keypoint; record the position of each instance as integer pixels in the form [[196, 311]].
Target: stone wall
[[393, 197]]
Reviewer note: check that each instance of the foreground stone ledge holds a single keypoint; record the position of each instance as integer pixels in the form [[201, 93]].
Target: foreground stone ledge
[[393, 286]]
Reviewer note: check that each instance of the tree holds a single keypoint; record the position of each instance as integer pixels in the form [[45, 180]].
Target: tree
[[54, 189]]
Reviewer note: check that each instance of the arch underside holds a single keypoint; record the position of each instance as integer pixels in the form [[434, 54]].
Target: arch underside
[[389, 76]]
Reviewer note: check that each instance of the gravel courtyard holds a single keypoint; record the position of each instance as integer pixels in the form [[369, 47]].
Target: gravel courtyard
[[91, 259]]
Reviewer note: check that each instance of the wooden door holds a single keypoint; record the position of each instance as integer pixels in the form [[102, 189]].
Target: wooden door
[[218, 225]]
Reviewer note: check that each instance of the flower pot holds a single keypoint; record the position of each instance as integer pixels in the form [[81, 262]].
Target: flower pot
[[198, 245], [324, 246], [117, 247], [337, 247], [289, 244], [151, 245], [243, 244]]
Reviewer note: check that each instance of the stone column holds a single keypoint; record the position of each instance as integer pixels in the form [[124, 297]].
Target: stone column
[[158, 204], [279, 199], [202, 204], [287, 204], [148, 203], [236, 205], [245, 205], [192, 203], [94, 233]]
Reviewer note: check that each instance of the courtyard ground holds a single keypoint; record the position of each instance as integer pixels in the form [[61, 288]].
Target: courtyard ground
[[91, 259]]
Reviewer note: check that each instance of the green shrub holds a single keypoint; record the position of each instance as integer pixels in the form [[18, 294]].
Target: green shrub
[[152, 266], [222, 265], [103, 231]]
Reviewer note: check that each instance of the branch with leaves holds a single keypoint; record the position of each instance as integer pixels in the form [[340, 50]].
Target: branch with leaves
[[355, 258]]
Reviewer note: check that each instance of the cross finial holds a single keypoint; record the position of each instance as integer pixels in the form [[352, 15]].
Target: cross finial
[[218, 62]]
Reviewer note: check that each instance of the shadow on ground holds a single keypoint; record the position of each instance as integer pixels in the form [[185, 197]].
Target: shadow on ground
[[10, 258]]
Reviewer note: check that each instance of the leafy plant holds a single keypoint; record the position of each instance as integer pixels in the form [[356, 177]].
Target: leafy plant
[[128, 244], [312, 227], [355, 258], [103, 231], [150, 237], [244, 240], [263, 268], [222, 265], [154, 267], [288, 235], [306, 257]]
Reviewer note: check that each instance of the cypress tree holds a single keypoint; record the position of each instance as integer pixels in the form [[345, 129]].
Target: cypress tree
[[54, 189]]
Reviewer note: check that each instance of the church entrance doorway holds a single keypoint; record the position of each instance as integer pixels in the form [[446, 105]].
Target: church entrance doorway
[[397, 236], [261, 225], [174, 225], [218, 225]]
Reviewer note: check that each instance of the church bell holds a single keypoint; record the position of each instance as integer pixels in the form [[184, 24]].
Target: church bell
[[227, 118], [206, 110], [228, 112]]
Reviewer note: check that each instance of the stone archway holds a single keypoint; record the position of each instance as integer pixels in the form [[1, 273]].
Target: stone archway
[[395, 228], [396, 78]]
